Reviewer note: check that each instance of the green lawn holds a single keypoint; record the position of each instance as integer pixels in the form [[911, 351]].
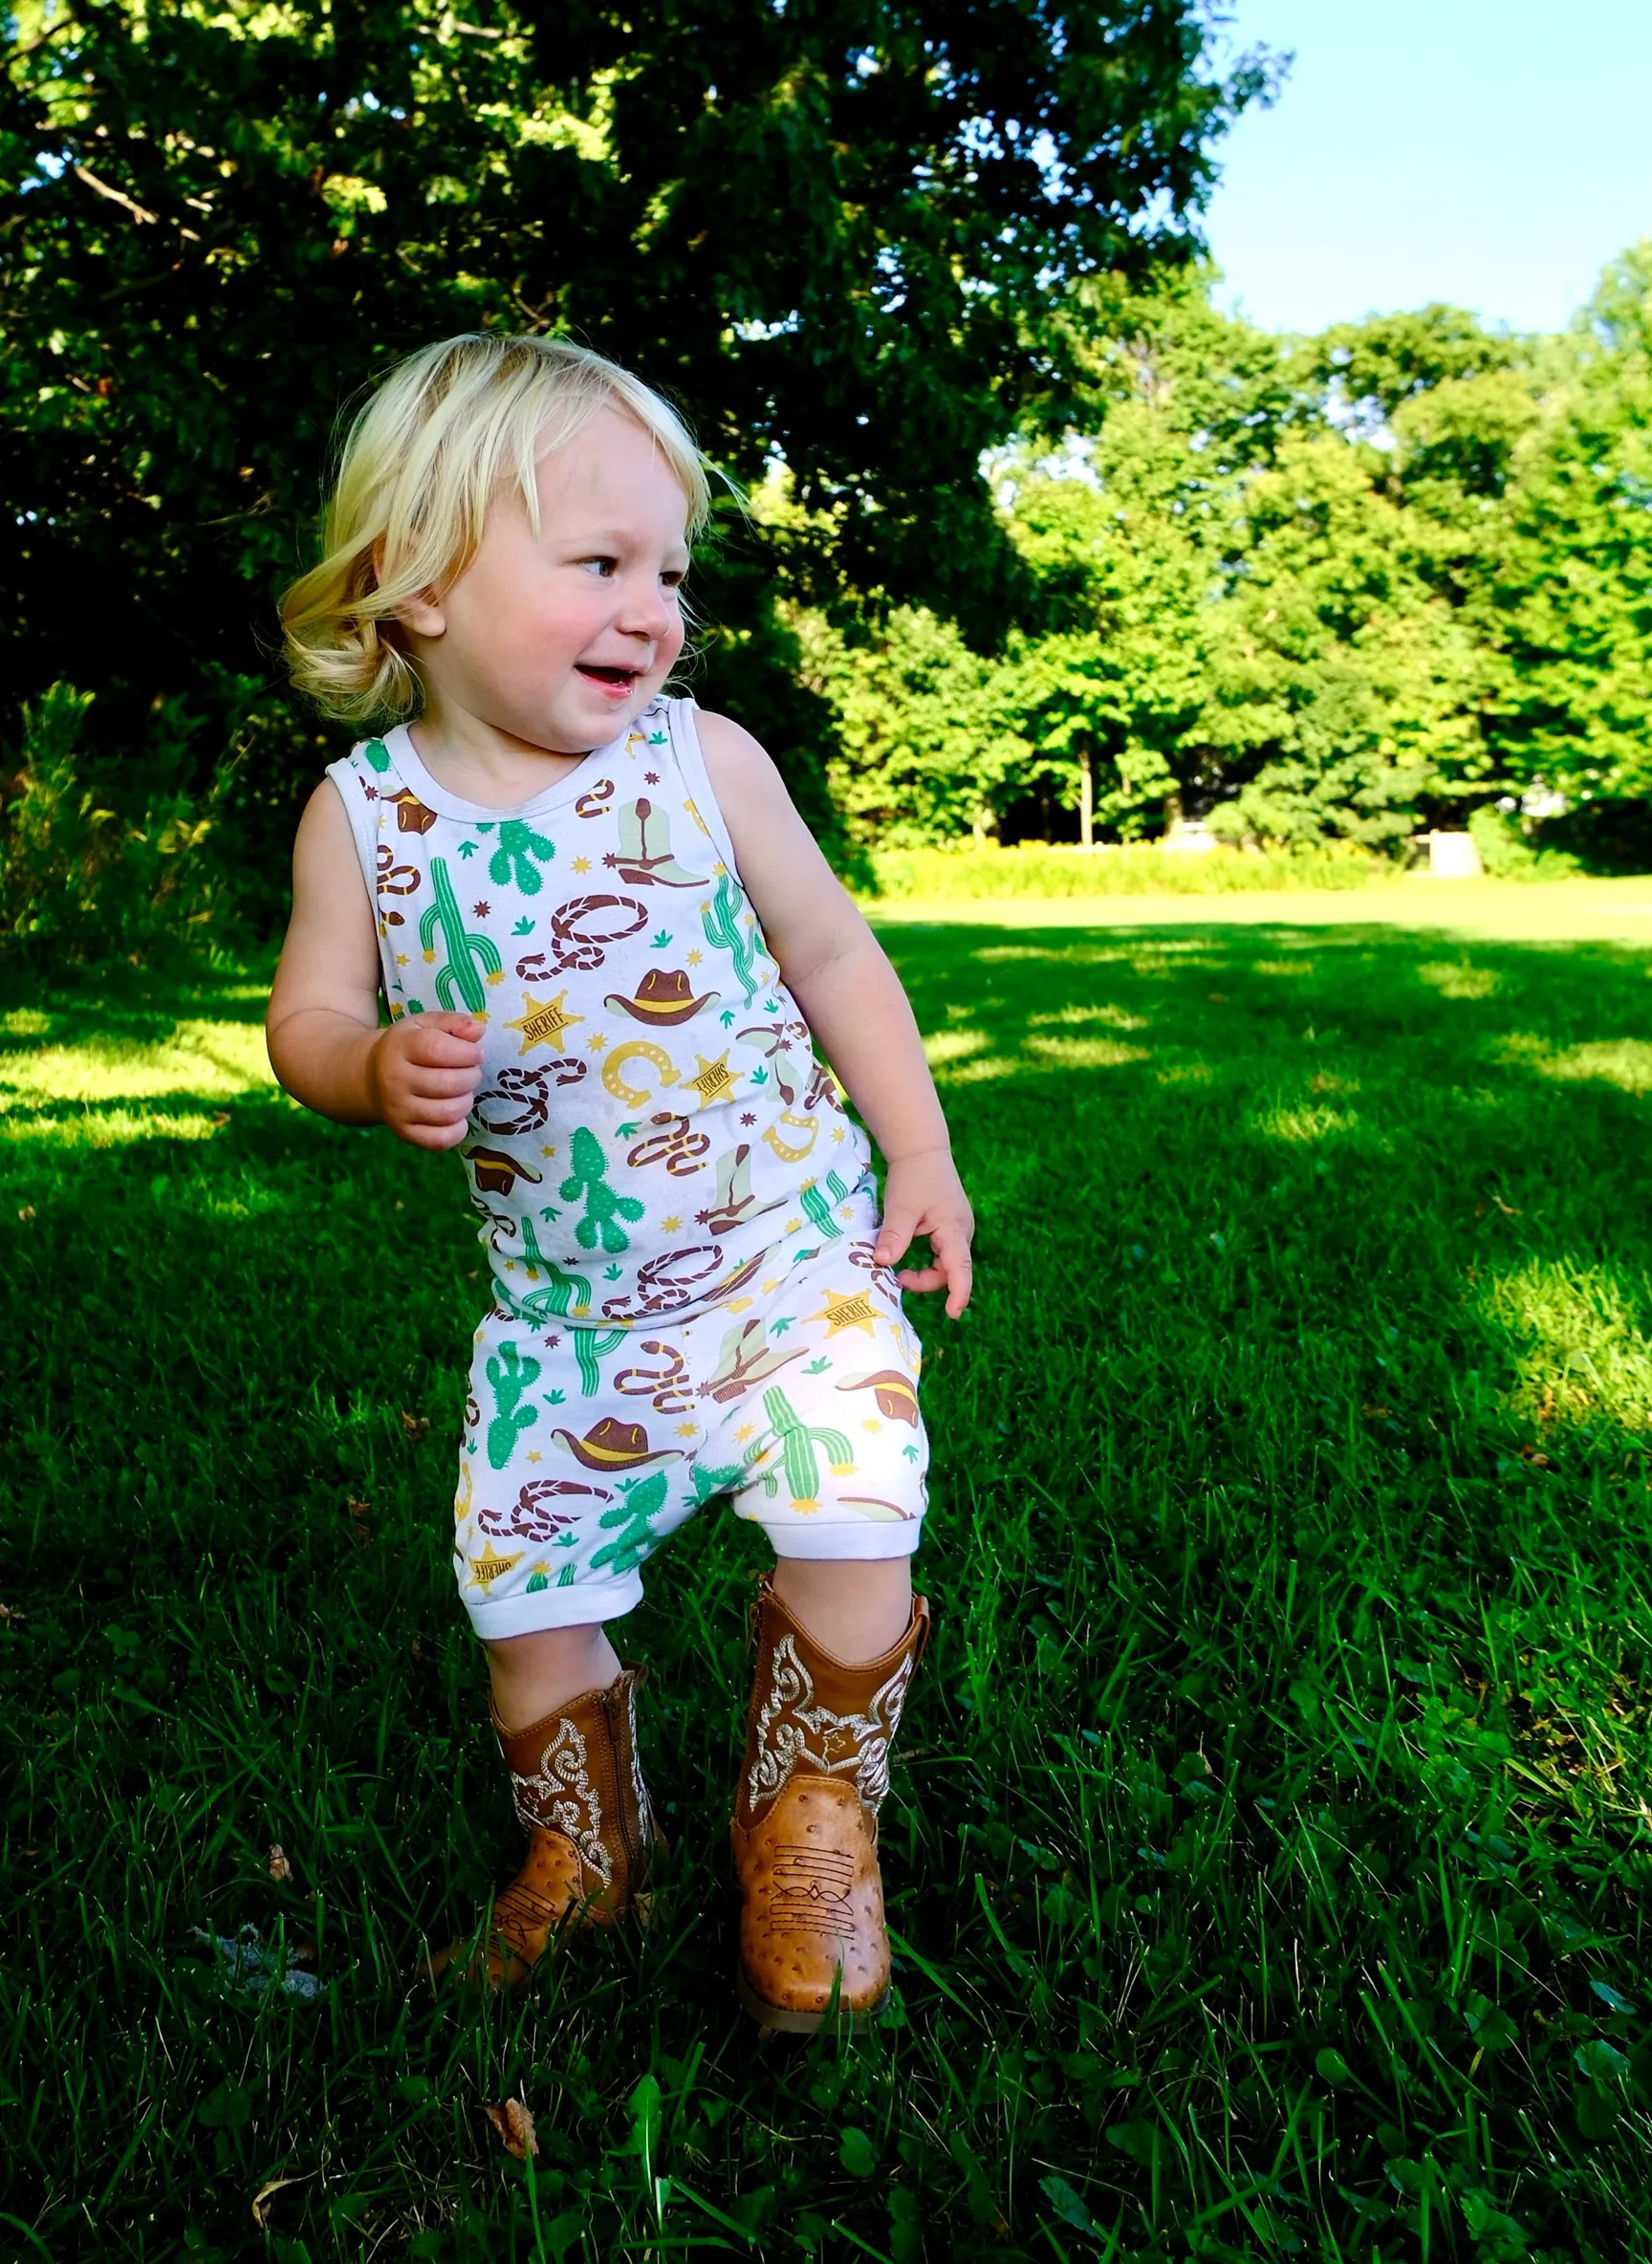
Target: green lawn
[[1269, 1844]]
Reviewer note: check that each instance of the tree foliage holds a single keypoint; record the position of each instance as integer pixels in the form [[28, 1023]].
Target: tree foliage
[[1316, 589], [830, 228]]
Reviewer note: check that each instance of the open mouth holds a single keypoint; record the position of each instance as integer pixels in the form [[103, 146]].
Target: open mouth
[[618, 680]]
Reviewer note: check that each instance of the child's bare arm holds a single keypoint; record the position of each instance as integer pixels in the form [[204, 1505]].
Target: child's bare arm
[[325, 1041], [854, 1004]]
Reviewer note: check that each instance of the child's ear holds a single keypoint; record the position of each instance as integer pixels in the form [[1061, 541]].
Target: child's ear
[[422, 615]]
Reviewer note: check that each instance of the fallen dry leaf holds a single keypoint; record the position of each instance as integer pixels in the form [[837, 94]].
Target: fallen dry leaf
[[279, 1867], [1530, 1453], [415, 1425], [1546, 1408], [361, 1520], [27, 1212], [513, 2123], [268, 2191], [1376, 1413]]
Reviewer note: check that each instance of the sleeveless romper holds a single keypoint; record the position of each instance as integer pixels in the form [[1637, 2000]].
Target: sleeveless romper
[[678, 1212]]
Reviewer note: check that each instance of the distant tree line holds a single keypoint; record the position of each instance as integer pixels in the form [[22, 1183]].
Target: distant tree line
[[1301, 588]]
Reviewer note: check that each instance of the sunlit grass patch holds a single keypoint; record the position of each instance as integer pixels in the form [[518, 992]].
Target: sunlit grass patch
[[1458, 978], [54, 1128], [1315, 1122], [206, 1057], [1083, 1052], [1581, 1340]]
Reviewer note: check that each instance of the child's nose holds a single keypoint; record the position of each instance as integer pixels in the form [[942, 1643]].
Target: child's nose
[[649, 611]]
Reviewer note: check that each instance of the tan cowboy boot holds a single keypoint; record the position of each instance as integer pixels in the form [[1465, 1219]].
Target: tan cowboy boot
[[592, 1839], [812, 1936]]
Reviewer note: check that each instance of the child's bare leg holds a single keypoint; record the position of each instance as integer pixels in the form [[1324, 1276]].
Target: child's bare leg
[[537, 1674], [855, 1608]]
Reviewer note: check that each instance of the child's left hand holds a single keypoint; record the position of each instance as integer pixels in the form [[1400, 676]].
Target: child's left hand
[[923, 1194]]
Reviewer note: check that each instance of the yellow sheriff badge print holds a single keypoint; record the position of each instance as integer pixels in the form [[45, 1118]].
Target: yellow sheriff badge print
[[542, 1022], [485, 1569], [847, 1309]]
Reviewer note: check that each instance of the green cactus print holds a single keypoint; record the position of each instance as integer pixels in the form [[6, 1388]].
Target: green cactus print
[[707, 1482], [724, 934], [457, 983], [798, 1442], [513, 858], [511, 1378], [588, 1349], [604, 1207], [645, 1499], [566, 1298], [816, 1203], [569, 1295], [378, 754]]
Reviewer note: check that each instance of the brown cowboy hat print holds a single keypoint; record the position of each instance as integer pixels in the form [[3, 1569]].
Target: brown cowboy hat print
[[665, 997], [612, 1446]]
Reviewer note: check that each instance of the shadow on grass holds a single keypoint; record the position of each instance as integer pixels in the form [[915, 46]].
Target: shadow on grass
[[1267, 1850]]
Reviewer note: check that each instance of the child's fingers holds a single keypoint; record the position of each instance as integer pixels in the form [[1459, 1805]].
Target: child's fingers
[[442, 1085], [434, 1108], [952, 1270], [466, 1027], [443, 1049], [894, 1237], [432, 1136]]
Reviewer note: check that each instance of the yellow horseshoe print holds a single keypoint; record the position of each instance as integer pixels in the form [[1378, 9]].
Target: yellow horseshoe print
[[463, 1500], [636, 1048], [783, 1148]]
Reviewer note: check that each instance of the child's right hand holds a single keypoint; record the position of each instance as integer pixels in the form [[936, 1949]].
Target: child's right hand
[[422, 1074]]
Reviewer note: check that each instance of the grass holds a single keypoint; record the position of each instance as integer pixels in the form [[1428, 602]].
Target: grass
[[1039, 869], [1270, 1842]]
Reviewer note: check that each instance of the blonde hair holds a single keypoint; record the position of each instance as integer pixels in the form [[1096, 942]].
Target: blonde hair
[[420, 470]]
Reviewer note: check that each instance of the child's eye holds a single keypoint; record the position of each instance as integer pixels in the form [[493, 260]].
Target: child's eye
[[607, 568], [673, 580]]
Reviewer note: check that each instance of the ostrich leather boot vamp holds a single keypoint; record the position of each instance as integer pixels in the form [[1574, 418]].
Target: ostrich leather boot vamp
[[813, 1942], [592, 1839]]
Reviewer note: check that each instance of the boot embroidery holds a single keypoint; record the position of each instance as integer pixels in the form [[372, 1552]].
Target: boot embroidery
[[562, 1798], [646, 1826], [811, 1893], [792, 1729]]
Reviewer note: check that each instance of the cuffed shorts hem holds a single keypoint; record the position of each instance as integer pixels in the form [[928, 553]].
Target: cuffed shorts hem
[[530, 1612], [843, 1542]]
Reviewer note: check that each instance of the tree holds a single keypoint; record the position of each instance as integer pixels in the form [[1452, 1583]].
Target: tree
[[1567, 600], [835, 231]]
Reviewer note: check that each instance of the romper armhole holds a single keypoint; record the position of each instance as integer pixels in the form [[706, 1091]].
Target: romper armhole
[[348, 779], [697, 779]]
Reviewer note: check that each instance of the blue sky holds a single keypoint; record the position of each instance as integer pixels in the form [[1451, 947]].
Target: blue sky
[[1495, 153]]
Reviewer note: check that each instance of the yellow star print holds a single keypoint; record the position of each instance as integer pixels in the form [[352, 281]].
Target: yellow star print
[[715, 1080], [543, 1021], [485, 1569], [849, 1311]]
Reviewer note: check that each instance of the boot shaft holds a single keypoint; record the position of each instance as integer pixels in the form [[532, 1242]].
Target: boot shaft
[[577, 1773], [814, 1715]]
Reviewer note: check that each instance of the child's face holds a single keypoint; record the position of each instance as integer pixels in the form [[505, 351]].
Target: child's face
[[557, 640]]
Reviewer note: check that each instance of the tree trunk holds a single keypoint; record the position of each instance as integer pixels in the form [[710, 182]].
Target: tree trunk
[[1087, 799]]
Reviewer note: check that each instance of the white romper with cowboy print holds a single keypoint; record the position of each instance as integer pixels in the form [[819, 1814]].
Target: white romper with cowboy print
[[675, 1203]]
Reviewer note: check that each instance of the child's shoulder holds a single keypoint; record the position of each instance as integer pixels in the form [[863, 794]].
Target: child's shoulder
[[371, 755]]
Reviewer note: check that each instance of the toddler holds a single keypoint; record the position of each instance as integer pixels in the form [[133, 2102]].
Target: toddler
[[608, 947]]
